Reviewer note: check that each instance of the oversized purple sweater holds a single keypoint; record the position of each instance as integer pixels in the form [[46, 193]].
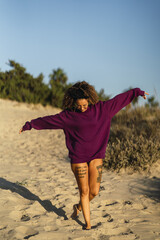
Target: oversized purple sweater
[[86, 133]]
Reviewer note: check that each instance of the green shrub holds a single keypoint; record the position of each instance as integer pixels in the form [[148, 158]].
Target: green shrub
[[134, 140]]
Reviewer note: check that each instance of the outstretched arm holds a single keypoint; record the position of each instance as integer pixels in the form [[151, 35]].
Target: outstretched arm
[[48, 122], [120, 101]]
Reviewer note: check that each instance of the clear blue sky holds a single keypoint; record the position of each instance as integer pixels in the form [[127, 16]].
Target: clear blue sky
[[112, 44]]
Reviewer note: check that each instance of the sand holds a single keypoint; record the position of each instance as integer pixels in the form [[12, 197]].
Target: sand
[[38, 189]]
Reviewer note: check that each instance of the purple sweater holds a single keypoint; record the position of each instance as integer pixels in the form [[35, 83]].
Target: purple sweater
[[86, 133]]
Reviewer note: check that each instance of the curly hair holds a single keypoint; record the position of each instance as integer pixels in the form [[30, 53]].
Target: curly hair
[[80, 90]]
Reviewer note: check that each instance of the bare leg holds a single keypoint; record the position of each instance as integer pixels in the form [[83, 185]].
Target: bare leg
[[81, 173], [95, 175], [88, 179]]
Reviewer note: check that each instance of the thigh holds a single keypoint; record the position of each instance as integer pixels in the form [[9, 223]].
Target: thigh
[[80, 171], [95, 173]]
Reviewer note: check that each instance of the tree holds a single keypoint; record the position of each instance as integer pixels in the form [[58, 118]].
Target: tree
[[58, 85], [21, 86], [102, 96]]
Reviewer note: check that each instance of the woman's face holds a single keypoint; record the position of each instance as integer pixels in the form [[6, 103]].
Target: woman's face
[[82, 104]]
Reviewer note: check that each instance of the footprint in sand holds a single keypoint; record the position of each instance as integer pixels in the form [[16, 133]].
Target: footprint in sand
[[25, 218], [127, 203], [2, 227], [25, 232], [111, 204], [120, 230], [15, 215], [108, 217], [124, 237]]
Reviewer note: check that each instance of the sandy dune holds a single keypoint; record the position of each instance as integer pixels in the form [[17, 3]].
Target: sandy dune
[[38, 189]]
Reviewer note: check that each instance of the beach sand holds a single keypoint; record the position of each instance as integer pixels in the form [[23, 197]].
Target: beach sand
[[38, 189]]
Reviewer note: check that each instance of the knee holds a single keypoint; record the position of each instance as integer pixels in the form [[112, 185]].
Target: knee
[[84, 191], [94, 192]]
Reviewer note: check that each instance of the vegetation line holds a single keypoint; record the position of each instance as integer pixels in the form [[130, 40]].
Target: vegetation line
[[135, 133]]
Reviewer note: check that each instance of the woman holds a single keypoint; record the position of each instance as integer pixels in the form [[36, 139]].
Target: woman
[[86, 125]]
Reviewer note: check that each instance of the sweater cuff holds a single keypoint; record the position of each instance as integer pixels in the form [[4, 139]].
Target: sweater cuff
[[142, 93], [27, 126], [139, 92]]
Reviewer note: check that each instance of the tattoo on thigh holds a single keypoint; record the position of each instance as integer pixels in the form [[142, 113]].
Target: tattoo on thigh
[[99, 168], [80, 172]]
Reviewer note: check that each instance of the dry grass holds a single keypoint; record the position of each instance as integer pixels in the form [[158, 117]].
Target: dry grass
[[134, 140]]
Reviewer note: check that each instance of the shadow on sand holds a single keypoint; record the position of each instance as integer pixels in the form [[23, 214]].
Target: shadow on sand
[[24, 192], [150, 187]]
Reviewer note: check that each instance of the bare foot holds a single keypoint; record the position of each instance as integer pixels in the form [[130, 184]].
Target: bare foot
[[75, 211], [86, 227]]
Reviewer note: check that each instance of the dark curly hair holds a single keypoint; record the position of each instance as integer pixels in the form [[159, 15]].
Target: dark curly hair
[[80, 90]]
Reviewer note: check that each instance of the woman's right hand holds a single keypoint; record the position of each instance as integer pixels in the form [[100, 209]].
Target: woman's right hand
[[21, 130]]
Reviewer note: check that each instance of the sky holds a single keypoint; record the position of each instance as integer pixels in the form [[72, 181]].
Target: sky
[[112, 44]]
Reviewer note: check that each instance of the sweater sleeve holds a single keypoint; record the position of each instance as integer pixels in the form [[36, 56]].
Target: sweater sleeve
[[120, 101], [47, 122]]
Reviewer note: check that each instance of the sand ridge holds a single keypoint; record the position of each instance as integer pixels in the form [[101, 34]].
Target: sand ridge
[[38, 188]]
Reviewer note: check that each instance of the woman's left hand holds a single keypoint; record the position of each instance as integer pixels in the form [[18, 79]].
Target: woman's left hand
[[145, 93], [21, 130]]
